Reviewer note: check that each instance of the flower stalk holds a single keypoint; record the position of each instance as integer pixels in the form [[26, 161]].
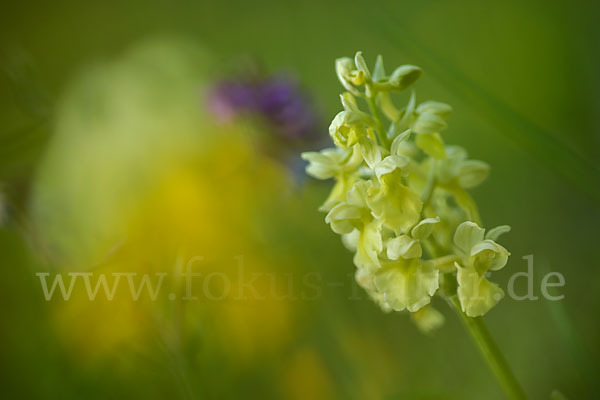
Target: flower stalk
[[400, 203], [491, 352]]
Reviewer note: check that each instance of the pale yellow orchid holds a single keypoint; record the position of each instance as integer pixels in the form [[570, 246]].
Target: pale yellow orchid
[[477, 295], [400, 198]]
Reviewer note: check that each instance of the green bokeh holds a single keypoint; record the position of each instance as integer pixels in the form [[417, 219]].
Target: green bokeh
[[522, 78]]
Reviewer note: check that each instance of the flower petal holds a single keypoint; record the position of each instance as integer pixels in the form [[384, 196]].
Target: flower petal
[[339, 192], [424, 228], [404, 76], [488, 255], [370, 151], [403, 246], [467, 235], [343, 211], [369, 246], [320, 166], [427, 319], [344, 67], [340, 218], [476, 294], [389, 164], [434, 107], [472, 172], [388, 108], [494, 233], [398, 140], [398, 206], [348, 127], [407, 284], [429, 123], [357, 195]]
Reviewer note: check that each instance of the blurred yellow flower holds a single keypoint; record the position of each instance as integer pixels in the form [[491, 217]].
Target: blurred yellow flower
[[138, 180], [306, 377]]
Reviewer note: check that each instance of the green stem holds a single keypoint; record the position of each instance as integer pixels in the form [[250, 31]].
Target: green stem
[[492, 354], [429, 187], [381, 135]]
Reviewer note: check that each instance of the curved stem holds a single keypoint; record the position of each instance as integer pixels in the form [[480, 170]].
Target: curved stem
[[492, 354]]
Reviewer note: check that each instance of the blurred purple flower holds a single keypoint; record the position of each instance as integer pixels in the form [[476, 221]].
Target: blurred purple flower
[[278, 100]]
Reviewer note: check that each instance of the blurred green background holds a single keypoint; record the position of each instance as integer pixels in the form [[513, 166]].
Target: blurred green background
[[522, 78]]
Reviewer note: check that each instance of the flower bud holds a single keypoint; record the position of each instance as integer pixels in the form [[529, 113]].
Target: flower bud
[[404, 76], [429, 123], [348, 75], [343, 68], [472, 172], [434, 107], [348, 127]]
